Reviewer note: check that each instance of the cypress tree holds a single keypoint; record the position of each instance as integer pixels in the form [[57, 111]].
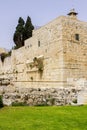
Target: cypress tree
[[28, 28], [23, 31], [18, 35]]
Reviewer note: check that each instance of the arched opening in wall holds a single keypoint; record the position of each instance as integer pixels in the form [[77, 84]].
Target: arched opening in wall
[[38, 43]]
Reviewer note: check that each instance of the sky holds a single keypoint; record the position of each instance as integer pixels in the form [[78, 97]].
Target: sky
[[40, 11]]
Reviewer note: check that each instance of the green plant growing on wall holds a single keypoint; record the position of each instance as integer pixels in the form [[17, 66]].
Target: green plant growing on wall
[[19, 104], [4, 55], [39, 64], [74, 101], [1, 102], [35, 61]]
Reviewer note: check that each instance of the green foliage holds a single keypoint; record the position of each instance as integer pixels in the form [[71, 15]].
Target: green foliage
[[4, 55], [28, 28], [15, 47], [18, 104], [1, 102], [18, 35], [39, 64], [44, 118], [41, 105], [23, 31], [74, 101]]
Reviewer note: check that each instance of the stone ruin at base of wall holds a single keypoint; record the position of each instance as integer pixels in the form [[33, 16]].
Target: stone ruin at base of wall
[[38, 96]]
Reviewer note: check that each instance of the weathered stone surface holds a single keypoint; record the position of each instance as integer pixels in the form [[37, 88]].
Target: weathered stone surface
[[64, 58], [7, 102], [60, 69], [39, 96], [5, 82]]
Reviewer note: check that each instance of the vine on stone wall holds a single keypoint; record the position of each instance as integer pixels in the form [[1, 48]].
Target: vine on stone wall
[[39, 64]]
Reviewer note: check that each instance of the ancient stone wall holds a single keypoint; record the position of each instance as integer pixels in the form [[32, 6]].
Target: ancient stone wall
[[39, 96], [75, 51], [46, 46], [54, 57]]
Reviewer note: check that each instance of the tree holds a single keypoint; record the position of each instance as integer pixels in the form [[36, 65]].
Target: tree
[[18, 35], [23, 31], [28, 28]]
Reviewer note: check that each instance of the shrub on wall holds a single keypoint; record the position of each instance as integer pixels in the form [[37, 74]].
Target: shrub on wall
[[4, 55], [39, 64], [1, 102], [74, 101], [18, 104]]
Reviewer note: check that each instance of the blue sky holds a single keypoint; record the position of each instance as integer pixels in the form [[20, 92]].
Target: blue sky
[[40, 11]]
